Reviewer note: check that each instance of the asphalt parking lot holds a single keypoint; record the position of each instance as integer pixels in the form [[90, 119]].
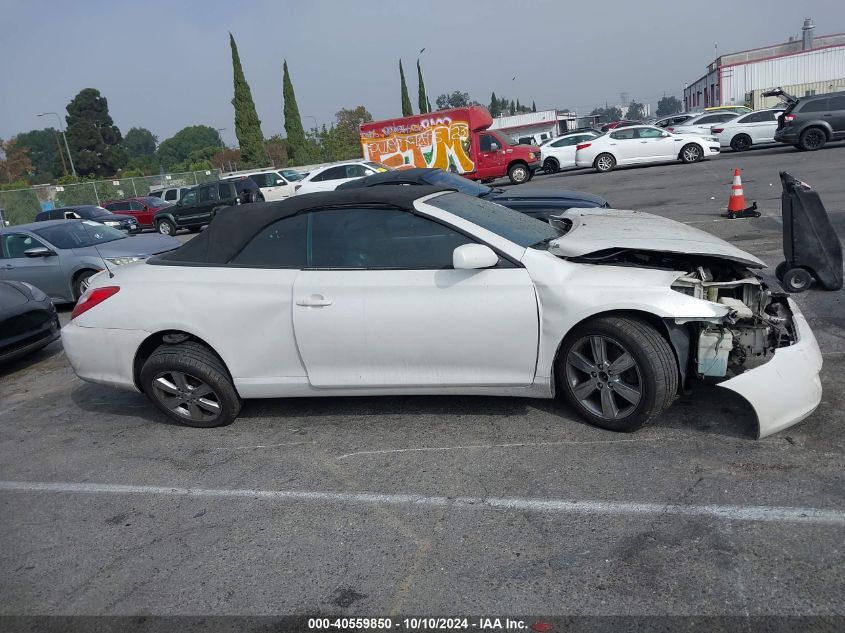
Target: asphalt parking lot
[[440, 505]]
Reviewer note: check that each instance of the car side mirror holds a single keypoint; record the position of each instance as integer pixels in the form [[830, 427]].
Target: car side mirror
[[494, 147], [39, 251], [665, 135], [473, 256]]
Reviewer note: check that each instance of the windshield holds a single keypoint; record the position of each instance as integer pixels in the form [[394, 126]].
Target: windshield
[[291, 174], [79, 234], [446, 179], [156, 203], [512, 225]]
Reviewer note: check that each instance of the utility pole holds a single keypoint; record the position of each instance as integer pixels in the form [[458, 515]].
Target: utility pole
[[62, 130]]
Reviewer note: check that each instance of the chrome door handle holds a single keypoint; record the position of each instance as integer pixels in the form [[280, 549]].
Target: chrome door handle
[[314, 301]]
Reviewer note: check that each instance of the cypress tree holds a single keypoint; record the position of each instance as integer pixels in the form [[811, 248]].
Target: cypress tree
[[495, 110], [406, 100], [298, 153], [247, 124], [428, 104], [533, 107], [422, 99]]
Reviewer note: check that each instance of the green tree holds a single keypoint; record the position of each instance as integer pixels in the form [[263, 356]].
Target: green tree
[[342, 141], [668, 106], [533, 107], [15, 165], [277, 150], [247, 123], [512, 108], [611, 114], [300, 150], [636, 111], [494, 106], [456, 99], [139, 142], [95, 142], [179, 147], [46, 153], [421, 96], [406, 100]]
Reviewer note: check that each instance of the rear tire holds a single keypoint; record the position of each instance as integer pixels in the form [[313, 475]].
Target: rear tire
[[796, 280], [165, 227], [812, 139], [519, 174], [741, 143], [691, 153], [617, 372], [604, 163], [190, 385]]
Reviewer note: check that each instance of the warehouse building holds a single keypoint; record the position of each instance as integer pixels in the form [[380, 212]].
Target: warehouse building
[[540, 126], [803, 66]]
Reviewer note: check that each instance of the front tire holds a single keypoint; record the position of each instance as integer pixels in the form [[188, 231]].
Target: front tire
[[165, 227], [190, 385], [691, 153], [618, 373], [741, 143], [796, 280], [551, 166], [519, 174], [604, 163], [812, 139]]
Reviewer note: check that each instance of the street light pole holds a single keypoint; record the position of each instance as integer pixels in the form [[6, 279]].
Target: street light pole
[[62, 130]]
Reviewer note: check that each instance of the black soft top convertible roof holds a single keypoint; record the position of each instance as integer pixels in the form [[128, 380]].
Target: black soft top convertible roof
[[234, 227]]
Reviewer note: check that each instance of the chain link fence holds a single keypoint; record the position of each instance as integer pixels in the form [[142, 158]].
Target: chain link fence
[[21, 205]]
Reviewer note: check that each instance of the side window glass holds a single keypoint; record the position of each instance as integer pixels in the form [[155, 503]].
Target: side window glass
[[355, 171], [647, 132], [280, 245], [15, 244], [224, 191], [623, 135], [190, 197], [208, 194], [817, 105], [380, 238], [134, 205], [485, 142], [837, 103], [333, 174], [259, 179], [170, 194]]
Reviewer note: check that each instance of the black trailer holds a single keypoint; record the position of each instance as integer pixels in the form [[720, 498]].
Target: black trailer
[[810, 244]]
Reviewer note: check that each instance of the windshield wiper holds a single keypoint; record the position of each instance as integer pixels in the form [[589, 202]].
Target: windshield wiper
[[545, 242]]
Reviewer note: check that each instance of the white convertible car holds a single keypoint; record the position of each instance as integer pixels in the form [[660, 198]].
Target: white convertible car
[[420, 290]]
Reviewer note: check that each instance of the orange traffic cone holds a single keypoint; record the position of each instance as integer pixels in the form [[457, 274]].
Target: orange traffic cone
[[736, 202]]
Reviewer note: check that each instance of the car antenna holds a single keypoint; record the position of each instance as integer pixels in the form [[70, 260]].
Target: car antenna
[[97, 248]]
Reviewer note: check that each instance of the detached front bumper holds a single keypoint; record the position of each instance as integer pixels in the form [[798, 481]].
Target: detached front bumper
[[787, 389]]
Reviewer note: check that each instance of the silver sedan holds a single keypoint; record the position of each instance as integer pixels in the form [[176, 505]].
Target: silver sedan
[[60, 256]]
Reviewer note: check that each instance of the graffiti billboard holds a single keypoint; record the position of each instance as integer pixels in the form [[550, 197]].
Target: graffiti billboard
[[439, 139]]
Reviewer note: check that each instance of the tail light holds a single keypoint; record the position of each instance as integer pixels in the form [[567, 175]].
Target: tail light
[[788, 117], [671, 129], [582, 146], [92, 298], [717, 130]]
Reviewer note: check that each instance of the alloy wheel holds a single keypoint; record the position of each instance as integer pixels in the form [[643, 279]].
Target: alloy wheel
[[604, 163], [692, 154], [187, 396], [604, 377], [814, 139]]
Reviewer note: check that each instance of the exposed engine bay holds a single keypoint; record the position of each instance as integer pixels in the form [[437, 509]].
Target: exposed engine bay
[[757, 321]]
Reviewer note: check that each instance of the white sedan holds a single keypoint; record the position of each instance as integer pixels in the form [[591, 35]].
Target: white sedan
[[641, 144], [560, 153], [417, 290], [757, 128], [329, 177]]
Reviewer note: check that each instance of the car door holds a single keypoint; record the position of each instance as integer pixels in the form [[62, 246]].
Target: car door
[[624, 145], [326, 180], [836, 116], [45, 273], [491, 157], [654, 146], [381, 306], [208, 199]]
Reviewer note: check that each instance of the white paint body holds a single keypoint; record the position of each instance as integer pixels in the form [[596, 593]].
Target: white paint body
[[328, 178], [639, 151], [271, 182], [289, 333], [563, 149], [760, 132]]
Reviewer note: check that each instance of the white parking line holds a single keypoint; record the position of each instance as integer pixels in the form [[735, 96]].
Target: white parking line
[[425, 449], [769, 514]]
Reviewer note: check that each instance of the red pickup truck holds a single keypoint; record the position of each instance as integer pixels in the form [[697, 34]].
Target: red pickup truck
[[457, 140]]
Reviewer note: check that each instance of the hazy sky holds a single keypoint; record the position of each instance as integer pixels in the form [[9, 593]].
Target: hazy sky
[[166, 64]]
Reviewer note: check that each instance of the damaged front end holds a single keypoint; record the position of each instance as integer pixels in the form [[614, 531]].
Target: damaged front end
[[761, 346]]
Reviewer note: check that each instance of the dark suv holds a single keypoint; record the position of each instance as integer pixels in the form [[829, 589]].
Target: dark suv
[[810, 122], [198, 205]]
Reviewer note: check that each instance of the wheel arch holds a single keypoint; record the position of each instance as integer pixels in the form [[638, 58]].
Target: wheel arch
[[518, 161], [156, 340], [822, 125], [679, 338]]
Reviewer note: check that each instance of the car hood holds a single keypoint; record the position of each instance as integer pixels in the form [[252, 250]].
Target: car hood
[[560, 196], [592, 230], [134, 246]]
